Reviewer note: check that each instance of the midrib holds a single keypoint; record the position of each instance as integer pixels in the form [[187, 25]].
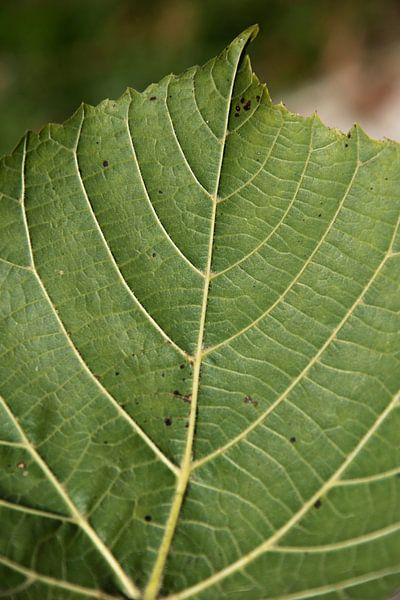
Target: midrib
[[155, 580]]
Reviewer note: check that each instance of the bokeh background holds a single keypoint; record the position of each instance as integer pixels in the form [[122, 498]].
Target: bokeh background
[[341, 57]]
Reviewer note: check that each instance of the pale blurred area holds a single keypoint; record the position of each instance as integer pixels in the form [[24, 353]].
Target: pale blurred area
[[341, 58], [359, 82]]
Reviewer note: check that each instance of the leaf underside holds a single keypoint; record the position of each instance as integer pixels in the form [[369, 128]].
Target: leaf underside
[[199, 374]]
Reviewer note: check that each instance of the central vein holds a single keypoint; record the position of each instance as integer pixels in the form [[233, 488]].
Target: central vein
[[155, 580], [186, 466]]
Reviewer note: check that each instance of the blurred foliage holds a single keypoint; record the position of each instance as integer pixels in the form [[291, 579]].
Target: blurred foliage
[[54, 53]]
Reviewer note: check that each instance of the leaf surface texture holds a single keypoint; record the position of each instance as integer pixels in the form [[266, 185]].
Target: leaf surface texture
[[199, 374]]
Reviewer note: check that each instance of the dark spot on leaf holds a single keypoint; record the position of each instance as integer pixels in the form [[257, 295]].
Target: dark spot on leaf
[[105, 163], [154, 255], [160, 191], [349, 135], [97, 142], [168, 421], [293, 439], [185, 397], [237, 114], [237, 108], [105, 442], [187, 424], [182, 366], [317, 504], [346, 145], [250, 400], [320, 215], [371, 188], [117, 372], [148, 518], [258, 98], [242, 100], [153, 98], [247, 106], [162, 374]]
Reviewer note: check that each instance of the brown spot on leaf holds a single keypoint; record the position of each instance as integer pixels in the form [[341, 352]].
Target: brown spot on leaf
[[247, 106], [185, 397], [250, 400]]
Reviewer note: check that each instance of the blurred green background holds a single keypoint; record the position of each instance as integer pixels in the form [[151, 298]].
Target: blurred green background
[[54, 54]]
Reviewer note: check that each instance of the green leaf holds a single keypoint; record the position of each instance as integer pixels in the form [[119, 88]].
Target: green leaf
[[200, 358]]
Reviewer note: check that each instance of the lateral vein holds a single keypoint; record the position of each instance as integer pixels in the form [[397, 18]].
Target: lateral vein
[[33, 576], [153, 210], [125, 581], [110, 254]]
